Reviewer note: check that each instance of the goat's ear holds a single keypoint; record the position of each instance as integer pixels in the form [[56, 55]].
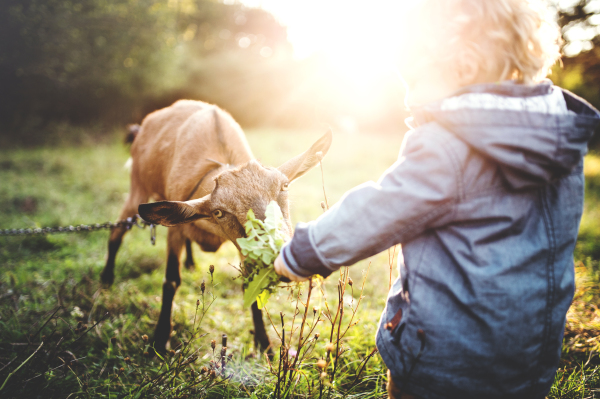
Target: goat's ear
[[299, 165], [171, 213]]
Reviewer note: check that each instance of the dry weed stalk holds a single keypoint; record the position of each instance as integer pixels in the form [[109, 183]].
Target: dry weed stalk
[[133, 370], [391, 257], [291, 366]]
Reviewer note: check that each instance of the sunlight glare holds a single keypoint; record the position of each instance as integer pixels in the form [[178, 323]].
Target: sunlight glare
[[350, 51], [358, 38]]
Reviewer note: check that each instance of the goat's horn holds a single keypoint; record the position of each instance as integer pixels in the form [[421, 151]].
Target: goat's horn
[[217, 162]]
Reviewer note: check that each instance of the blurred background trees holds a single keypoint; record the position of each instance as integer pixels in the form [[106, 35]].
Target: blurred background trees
[[580, 69], [110, 62], [113, 61], [580, 22]]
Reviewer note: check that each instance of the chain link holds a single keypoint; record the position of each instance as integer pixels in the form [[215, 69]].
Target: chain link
[[127, 223]]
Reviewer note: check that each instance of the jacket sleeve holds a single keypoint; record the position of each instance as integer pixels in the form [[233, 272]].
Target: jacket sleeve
[[417, 192]]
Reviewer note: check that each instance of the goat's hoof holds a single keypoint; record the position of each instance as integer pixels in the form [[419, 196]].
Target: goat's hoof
[[154, 349], [265, 349], [270, 353], [158, 344], [190, 265], [107, 279]]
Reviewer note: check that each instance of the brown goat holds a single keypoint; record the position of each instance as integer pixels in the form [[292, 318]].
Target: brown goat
[[194, 159]]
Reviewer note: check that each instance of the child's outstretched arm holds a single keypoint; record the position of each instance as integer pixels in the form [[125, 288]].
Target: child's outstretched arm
[[416, 193]]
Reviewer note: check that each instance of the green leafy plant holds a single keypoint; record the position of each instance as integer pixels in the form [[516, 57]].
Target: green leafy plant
[[261, 246]]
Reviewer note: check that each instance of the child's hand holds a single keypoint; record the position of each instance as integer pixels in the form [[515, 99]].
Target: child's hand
[[282, 269]]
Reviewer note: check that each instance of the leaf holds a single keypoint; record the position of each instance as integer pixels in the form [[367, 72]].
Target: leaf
[[262, 299], [246, 245], [273, 217], [267, 257], [261, 246], [258, 285]]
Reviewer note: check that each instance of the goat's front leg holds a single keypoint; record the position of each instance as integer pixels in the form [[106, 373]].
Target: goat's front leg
[[129, 209], [162, 333], [261, 339], [189, 257]]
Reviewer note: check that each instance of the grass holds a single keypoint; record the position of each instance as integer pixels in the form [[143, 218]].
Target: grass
[[63, 335], [87, 184]]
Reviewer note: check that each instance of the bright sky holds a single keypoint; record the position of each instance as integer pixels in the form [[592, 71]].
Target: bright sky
[[345, 30], [353, 33], [356, 39]]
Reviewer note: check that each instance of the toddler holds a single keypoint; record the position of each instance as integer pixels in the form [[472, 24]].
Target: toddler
[[485, 198]]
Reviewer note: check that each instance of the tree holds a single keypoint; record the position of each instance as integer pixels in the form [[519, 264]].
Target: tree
[[114, 60], [580, 71]]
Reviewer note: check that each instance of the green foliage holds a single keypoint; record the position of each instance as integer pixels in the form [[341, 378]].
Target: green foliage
[[579, 72], [87, 183], [261, 246], [258, 288], [107, 62], [75, 60], [116, 60], [588, 244], [580, 382]]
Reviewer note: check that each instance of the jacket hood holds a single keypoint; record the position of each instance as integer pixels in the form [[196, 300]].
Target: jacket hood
[[535, 133]]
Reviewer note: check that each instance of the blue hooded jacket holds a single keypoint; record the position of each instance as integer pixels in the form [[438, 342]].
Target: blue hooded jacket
[[486, 199]]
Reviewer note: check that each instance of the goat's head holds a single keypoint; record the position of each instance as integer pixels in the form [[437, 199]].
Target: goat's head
[[249, 186]]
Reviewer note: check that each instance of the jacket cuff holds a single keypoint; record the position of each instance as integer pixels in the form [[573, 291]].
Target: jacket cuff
[[300, 255], [287, 260]]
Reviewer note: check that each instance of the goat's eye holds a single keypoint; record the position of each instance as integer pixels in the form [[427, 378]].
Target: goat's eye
[[284, 187], [218, 214]]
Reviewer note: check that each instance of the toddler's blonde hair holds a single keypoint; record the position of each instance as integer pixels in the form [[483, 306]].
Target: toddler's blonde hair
[[506, 39]]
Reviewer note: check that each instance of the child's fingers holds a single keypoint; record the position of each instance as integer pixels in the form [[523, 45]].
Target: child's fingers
[[282, 269], [279, 266]]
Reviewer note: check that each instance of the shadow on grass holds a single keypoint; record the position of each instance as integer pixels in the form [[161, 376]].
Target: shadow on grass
[[137, 266], [20, 247]]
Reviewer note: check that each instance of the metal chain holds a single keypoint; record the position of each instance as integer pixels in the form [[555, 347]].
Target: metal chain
[[127, 223]]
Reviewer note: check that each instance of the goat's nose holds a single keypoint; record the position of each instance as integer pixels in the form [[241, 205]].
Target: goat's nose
[[259, 207]]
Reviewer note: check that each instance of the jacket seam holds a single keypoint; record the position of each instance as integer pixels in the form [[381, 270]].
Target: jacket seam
[[559, 138], [549, 276], [407, 320], [447, 146], [455, 160], [462, 194], [448, 203]]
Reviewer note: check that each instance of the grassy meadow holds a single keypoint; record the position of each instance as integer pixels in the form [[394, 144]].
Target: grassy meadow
[[64, 335]]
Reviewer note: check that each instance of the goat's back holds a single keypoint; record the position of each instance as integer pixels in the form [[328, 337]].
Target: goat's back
[[171, 150]]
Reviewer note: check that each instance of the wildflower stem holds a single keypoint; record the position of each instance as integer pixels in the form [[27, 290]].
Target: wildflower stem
[[300, 343], [21, 365], [391, 256], [374, 351], [323, 183]]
